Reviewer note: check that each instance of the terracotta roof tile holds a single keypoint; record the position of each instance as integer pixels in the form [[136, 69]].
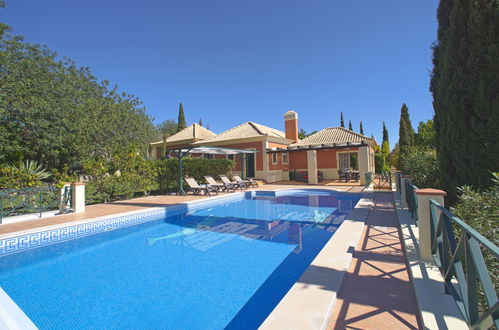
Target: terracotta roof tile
[[244, 131], [332, 135], [193, 132]]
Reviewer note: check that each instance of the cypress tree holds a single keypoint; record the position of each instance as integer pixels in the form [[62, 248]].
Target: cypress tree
[[385, 145], [342, 122], [385, 133], [406, 132], [350, 125], [361, 128], [181, 118], [200, 122], [466, 93]]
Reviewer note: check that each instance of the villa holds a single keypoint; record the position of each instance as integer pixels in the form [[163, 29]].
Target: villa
[[278, 152]]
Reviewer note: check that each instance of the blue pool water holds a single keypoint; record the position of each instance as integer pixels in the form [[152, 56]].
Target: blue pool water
[[222, 266]]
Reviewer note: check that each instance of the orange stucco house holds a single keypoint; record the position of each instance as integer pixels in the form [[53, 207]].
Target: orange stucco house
[[279, 152]]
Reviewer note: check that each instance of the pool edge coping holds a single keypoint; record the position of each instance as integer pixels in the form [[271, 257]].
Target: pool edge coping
[[307, 305]]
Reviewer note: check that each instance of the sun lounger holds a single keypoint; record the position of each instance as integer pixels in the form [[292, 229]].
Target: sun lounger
[[197, 189], [226, 180], [249, 182], [220, 186]]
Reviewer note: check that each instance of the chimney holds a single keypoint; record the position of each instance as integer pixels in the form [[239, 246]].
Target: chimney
[[291, 125]]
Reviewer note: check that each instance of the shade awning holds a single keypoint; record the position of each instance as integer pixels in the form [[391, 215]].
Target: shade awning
[[216, 151]]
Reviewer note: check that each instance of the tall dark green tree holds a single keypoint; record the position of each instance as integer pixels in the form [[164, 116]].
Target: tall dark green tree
[[361, 128], [406, 132], [465, 92], [350, 125], [200, 122], [385, 132], [181, 118], [342, 122], [385, 145]]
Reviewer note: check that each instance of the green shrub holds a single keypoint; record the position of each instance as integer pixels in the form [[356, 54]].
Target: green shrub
[[481, 211], [379, 162], [23, 175], [193, 167], [422, 165], [121, 178], [124, 177]]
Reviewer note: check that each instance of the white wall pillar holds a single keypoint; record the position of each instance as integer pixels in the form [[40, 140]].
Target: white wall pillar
[[363, 163], [312, 167], [78, 197], [403, 191], [398, 175], [424, 222]]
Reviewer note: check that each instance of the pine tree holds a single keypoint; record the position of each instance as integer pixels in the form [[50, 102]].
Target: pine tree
[[361, 128], [465, 93], [181, 118], [200, 122], [350, 125], [342, 122], [406, 132]]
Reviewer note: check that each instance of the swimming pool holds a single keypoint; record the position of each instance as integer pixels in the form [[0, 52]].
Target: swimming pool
[[222, 263]]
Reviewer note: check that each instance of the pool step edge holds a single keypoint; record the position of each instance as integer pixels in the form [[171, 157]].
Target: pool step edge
[[12, 316]]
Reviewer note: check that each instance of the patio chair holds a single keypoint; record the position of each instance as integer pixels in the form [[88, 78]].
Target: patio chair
[[248, 182], [226, 180], [219, 186], [355, 175], [197, 189], [342, 175]]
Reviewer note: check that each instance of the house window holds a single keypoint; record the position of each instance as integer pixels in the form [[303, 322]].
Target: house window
[[285, 159], [274, 158], [231, 157], [208, 156]]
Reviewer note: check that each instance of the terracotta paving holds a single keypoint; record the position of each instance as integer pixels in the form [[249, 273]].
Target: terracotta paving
[[377, 293], [98, 210]]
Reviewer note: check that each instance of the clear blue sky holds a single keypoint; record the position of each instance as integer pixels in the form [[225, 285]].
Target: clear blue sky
[[233, 61]]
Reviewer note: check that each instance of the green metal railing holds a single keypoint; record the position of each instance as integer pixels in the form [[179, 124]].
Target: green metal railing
[[412, 199], [369, 179], [383, 180], [32, 200], [463, 266]]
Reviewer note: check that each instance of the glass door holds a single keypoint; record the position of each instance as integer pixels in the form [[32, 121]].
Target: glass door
[[344, 162]]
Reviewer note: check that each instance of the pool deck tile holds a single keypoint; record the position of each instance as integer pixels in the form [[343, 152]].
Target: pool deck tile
[[377, 293]]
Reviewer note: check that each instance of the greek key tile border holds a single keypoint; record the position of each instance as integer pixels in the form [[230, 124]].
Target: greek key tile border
[[39, 239], [35, 240]]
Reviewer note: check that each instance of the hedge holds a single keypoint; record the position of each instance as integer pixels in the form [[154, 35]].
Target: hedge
[[193, 167]]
